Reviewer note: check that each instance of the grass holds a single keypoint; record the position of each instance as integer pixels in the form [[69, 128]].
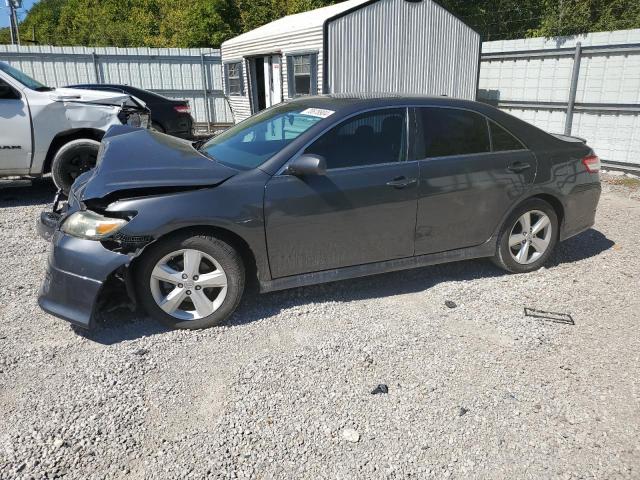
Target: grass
[[625, 182]]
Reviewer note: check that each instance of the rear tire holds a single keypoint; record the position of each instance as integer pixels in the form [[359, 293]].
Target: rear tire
[[528, 237], [190, 281], [72, 160]]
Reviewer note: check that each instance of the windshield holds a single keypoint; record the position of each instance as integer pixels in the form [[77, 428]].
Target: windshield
[[23, 78], [252, 142]]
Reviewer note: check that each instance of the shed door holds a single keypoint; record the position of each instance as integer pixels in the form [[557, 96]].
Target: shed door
[[273, 80]]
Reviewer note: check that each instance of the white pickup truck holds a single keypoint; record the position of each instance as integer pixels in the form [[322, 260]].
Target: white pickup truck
[[57, 130]]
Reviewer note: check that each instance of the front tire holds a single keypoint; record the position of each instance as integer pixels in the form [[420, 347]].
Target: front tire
[[190, 281], [72, 160], [528, 237]]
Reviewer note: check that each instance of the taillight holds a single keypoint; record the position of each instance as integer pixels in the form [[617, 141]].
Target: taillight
[[592, 163], [182, 108]]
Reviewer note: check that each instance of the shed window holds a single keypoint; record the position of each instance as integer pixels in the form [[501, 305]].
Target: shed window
[[302, 74], [234, 79]]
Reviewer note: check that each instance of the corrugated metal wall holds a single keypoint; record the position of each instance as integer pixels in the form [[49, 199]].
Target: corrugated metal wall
[[172, 72], [531, 78], [302, 40], [403, 47]]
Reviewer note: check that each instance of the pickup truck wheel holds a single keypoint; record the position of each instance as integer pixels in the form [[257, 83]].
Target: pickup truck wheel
[[190, 282], [72, 160]]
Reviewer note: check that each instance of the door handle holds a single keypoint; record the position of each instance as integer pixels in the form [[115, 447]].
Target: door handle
[[402, 182], [518, 167]]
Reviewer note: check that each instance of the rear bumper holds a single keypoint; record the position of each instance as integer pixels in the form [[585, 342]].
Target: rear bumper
[[580, 210], [77, 271]]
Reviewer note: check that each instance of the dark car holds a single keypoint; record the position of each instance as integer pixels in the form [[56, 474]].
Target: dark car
[[313, 190], [169, 116]]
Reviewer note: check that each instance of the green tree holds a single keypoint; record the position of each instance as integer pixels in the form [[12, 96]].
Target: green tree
[[571, 17], [207, 23]]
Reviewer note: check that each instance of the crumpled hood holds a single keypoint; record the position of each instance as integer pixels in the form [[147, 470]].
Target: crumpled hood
[[132, 159], [93, 96]]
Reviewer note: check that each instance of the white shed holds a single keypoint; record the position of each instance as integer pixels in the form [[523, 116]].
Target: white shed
[[381, 46]]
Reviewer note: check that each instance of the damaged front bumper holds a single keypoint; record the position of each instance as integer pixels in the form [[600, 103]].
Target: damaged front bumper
[[77, 272]]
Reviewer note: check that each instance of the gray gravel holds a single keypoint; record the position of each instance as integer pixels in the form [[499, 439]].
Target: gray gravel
[[284, 390]]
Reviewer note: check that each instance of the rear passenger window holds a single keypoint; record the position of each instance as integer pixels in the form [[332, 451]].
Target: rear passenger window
[[367, 139], [444, 132], [502, 140]]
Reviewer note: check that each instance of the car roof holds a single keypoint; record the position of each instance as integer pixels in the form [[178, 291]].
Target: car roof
[[363, 101]]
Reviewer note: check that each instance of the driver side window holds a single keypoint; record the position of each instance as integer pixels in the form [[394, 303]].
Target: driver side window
[[7, 92], [367, 139]]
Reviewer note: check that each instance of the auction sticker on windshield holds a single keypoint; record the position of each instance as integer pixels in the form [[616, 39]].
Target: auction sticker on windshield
[[317, 112]]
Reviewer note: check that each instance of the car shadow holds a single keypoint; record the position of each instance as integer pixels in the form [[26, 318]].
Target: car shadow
[[24, 193], [122, 325]]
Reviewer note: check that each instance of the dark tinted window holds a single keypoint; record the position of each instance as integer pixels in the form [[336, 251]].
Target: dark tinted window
[[502, 140], [444, 132], [367, 139]]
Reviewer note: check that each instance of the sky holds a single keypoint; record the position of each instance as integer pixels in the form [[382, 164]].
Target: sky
[[4, 11]]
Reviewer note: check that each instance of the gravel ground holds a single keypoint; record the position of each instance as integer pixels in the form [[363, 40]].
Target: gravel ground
[[283, 390]]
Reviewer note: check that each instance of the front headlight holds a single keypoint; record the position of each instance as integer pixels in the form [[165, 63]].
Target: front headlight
[[92, 226]]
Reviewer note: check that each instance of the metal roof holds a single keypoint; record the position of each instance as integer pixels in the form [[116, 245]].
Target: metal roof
[[292, 23]]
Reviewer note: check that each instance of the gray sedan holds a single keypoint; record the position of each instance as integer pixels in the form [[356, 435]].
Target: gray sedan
[[313, 190]]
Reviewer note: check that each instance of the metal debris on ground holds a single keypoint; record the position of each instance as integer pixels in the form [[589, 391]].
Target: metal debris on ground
[[563, 318], [382, 388]]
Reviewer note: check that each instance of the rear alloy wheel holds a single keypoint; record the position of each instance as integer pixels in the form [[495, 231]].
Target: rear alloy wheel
[[190, 282], [72, 160], [528, 237]]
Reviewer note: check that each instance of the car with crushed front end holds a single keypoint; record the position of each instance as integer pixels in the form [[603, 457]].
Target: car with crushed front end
[[317, 189], [57, 130]]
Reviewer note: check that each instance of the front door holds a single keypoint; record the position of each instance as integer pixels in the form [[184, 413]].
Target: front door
[[15, 131], [471, 173], [362, 211]]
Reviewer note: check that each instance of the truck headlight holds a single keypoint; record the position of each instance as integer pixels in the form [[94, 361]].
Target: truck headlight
[[91, 226]]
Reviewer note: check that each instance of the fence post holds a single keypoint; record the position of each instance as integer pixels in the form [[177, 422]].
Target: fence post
[[96, 68], [205, 92], [574, 89]]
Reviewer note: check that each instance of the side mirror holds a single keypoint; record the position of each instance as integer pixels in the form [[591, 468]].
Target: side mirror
[[307, 164], [7, 93]]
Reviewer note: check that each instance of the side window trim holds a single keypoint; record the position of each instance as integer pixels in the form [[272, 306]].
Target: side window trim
[[283, 169]]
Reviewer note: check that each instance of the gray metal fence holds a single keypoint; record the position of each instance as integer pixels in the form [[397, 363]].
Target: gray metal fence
[[587, 86], [191, 74]]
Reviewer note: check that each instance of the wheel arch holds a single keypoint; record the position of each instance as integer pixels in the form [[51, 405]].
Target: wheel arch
[[555, 203], [551, 199], [235, 240], [62, 138]]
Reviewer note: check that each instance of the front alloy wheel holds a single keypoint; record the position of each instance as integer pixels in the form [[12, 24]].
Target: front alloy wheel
[[188, 284], [190, 281]]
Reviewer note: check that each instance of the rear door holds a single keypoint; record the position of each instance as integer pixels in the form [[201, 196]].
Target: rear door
[[15, 131], [362, 211], [471, 172]]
